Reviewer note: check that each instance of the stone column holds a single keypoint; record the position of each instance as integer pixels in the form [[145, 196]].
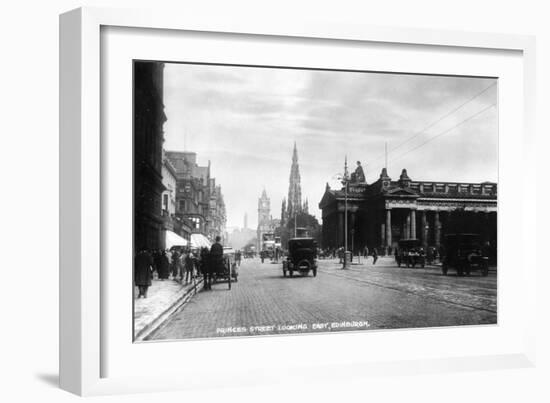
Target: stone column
[[413, 223], [351, 232], [340, 229], [383, 235], [437, 231], [408, 226], [424, 231], [388, 228]]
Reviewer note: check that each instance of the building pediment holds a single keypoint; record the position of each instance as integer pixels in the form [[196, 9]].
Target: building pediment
[[327, 199], [401, 192]]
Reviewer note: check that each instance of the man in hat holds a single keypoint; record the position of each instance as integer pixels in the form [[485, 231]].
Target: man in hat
[[143, 271]]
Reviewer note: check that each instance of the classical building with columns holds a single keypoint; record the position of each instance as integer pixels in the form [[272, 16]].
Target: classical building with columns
[[386, 211]]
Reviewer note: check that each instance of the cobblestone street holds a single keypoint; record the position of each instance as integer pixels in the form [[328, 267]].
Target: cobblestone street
[[366, 296]]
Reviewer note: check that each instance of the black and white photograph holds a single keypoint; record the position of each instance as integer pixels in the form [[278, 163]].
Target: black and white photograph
[[273, 201]]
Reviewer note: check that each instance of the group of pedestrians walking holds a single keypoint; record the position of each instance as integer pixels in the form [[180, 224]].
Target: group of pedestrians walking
[[181, 265]]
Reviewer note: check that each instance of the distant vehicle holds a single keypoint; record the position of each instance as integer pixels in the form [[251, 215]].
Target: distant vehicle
[[410, 253], [302, 257], [278, 248], [249, 252], [268, 246], [302, 232], [464, 253]]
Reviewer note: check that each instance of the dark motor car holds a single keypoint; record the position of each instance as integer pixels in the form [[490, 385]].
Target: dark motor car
[[465, 253], [410, 253], [302, 256]]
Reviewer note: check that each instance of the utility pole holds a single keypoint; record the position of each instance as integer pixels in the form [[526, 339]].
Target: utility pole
[[345, 182], [386, 155]]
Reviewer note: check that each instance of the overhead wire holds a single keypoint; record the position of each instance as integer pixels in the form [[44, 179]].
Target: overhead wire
[[443, 132], [439, 120]]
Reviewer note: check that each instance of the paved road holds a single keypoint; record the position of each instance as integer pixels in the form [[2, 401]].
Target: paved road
[[364, 297]]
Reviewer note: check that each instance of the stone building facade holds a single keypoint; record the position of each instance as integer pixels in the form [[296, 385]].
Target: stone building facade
[[199, 201], [149, 119], [386, 211]]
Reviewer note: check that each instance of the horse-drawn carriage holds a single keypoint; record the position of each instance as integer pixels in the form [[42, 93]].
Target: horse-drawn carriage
[[223, 268]]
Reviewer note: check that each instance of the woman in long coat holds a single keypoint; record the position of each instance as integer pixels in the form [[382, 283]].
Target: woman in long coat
[[164, 266], [143, 272]]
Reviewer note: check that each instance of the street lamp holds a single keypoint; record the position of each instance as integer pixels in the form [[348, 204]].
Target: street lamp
[[345, 182]]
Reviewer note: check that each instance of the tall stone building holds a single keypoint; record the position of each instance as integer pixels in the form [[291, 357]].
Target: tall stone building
[[149, 119], [386, 211], [216, 217], [265, 223], [294, 201], [192, 198], [199, 200]]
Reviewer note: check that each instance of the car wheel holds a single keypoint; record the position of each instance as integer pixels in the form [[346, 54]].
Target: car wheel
[[304, 264]]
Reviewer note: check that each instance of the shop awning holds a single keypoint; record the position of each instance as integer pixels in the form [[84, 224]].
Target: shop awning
[[173, 239], [199, 241]]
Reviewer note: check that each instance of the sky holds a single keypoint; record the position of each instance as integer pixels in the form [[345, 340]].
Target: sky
[[245, 120]]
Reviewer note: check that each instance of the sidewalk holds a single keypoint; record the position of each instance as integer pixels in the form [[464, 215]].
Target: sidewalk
[[164, 297]]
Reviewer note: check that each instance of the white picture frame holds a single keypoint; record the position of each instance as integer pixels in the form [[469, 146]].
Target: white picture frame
[[83, 298]]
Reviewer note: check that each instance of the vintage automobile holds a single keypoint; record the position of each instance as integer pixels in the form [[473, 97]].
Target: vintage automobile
[[410, 253], [302, 255], [464, 253]]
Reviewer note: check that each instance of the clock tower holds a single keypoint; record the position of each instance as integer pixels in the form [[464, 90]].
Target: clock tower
[[264, 218], [264, 209]]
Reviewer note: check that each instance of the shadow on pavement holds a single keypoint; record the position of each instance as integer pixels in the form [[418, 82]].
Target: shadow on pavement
[[49, 379]]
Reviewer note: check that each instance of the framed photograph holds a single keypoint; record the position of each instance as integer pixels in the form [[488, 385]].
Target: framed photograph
[[273, 198]]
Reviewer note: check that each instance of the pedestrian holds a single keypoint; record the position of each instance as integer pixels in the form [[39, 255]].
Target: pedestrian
[[430, 255], [366, 251], [143, 271], [189, 267], [163, 266], [156, 261], [204, 265], [238, 257], [374, 256], [176, 264]]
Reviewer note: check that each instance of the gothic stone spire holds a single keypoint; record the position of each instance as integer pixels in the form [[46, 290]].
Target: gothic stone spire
[[294, 187]]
